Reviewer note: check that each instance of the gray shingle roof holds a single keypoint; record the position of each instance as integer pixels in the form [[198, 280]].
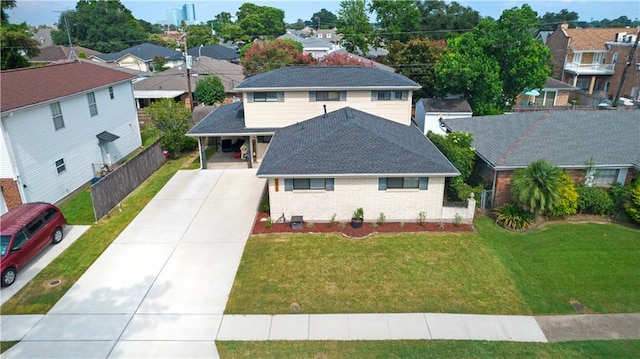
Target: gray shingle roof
[[565, 138], [225, 120], [145, 52], [351, 142], [446, 105], [335, 77], [215, 52]]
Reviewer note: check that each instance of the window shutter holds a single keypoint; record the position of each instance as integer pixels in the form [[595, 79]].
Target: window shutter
[[405, 95], [280, 96], [249, 97], [374, 95], [424, 183], [329, 184], [288, 184], [312, 96], [343, 95], [382, 184]]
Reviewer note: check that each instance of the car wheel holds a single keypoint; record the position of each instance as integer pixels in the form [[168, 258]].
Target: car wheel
[[57, 236], [8, 277]]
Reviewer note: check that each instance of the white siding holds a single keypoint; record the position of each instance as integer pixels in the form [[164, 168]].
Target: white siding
[[297, 107], [6, 166], [37, 145], [351, 193]]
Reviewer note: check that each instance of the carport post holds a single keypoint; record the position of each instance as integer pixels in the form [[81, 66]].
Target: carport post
[[203, 155], [250, 153]]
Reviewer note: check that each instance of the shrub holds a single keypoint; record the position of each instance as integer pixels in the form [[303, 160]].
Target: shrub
[[594, 200], [342, 225], [536, 187], [622, 197], [512, 216], [463, 190], [422, 217], [332, 220], [382, 218], [458, 220], [567, 203], [268, 223], [189, 144], [633, 204]]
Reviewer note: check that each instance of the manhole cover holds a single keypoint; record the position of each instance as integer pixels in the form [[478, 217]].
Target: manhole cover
[[54, 282], [578, 307]]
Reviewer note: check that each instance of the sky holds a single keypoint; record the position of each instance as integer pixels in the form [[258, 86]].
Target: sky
[[47, 12]]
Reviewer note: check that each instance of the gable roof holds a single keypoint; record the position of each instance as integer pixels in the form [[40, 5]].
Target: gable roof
[[566, 138], [592, 39], [57, 53], [33, 85], [349, 142], [145, 52], [446, 105], [328, 77], [215, 52]]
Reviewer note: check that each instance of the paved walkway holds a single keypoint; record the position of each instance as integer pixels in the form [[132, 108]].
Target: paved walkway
[[161, 288]]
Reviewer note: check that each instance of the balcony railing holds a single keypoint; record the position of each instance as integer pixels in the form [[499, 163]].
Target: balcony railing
[[590, 69]]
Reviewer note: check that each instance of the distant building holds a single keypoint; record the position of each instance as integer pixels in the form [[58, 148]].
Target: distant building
[[186, 13]]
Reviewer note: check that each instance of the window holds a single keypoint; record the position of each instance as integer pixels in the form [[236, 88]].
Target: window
[[328, 36], [319, 36], [19, 239], [34, 226], [93, 107], [265, 97], [56, 113], [421, 183], [327, 95], [291, 184], [605, 177], [60, 167], [111, 95], [614, 59], [389, 95], [607, 86]]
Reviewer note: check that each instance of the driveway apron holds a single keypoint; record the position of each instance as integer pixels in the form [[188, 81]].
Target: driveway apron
[[160, 289]]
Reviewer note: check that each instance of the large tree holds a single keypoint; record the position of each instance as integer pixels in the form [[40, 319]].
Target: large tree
[[16, 41], [172, 121], [101, 25], [353, 24], [260, 22], [200, 35], [323, 19], [440, 20], [495, 62], [220, 21], [210, 90], [550, 20], [399, 19], [417, 59], [265, 56]]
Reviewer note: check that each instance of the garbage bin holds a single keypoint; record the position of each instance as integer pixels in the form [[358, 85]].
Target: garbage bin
[[296, 222]]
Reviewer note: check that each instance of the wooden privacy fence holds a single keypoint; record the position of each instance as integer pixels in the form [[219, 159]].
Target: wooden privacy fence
[[114, 187]]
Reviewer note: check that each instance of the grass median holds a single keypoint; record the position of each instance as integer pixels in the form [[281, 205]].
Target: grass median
[[37, 297]]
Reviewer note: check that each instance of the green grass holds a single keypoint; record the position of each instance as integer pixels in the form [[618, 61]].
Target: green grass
[[38, 298], [452, 273], [426, 349], [4, 346], [79, 208], [595, 264], [208, 152], [491, 271]]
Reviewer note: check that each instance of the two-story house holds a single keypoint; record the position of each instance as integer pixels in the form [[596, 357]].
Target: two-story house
[[593, 60], [141, 57], [60, 123], [339, 138]]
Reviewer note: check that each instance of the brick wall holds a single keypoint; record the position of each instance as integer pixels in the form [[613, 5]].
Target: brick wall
[[557, 43], [502, 188], [10, 192], [351, 193]]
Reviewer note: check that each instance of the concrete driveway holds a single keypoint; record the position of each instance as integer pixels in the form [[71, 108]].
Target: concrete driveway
[[160, 289]]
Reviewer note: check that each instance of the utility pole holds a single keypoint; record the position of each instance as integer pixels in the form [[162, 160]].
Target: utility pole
[[626, 69], [187, 66]]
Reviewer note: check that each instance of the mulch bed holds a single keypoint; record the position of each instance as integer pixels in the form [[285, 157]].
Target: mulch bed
[[260, 227]]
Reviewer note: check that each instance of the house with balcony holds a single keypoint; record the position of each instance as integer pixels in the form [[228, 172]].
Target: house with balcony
[[593, 59], [61, 124], [331, 139]]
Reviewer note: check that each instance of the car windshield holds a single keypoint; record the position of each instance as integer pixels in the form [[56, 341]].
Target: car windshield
[[4, 244]]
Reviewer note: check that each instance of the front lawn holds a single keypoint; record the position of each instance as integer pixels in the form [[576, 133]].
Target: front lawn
[[327, 273], [493, 271], [427, 349]]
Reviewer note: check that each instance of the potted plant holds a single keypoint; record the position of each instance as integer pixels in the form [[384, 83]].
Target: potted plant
[[358, 218]]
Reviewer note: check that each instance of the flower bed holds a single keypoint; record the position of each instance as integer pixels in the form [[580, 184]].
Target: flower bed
[[260, 227]]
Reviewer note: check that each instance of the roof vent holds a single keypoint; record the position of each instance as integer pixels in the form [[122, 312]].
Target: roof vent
[[349, 114]]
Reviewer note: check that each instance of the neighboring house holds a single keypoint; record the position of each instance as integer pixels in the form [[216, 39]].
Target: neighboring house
[[172, 83], [56, 53], [315, 47], [366, 61], [218, 52], [542, 35], [141, 57], [43, 37], [431, 111], [60, 124], [568, 139], [337, 138], [328, 35], [594, 59], [554, 93]]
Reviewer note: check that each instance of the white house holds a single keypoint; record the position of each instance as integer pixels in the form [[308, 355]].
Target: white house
[[59, 123], [337, 138], [141, 57], [430, 112]]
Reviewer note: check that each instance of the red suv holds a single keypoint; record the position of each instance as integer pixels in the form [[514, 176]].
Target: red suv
[[24, 232]]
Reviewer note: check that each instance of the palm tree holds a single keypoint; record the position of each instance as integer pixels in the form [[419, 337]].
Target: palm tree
[[536, 188]]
